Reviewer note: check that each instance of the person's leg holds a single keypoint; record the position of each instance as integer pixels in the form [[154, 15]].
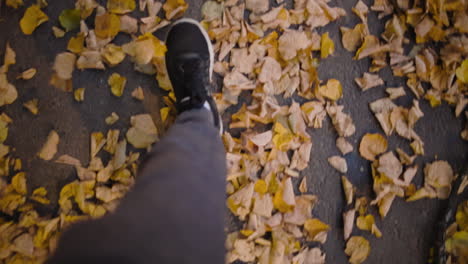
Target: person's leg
[[175, 212]]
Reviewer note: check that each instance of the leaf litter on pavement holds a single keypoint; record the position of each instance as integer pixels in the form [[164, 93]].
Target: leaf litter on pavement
[[271, 52]]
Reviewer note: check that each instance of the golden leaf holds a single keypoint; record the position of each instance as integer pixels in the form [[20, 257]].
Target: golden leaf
[[372, 145], [33, 17], [117, 84]]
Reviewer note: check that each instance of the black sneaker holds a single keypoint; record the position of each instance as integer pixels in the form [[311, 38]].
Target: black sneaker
[[189, 62]]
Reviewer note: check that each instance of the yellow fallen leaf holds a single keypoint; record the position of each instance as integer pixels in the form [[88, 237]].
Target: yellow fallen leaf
[[76, 44], [58, 32], [3, 131], [107, 25], [79, 94], [358, 249], [33, 17], [314, 227], [332, 90], [39, 195], [121, 7], [143, 132], [113, 54], [327, 47], [368, 223], [174, 8], [10, 57], [261, 186], [284, 200], [117, 84], [49, 149], [462, 72], [372, 145], [14, 3], [18, 182], [110, 120], [31, 105]]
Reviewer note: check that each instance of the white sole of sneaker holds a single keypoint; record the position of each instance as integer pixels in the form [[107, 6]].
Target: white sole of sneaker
[[207, 38]]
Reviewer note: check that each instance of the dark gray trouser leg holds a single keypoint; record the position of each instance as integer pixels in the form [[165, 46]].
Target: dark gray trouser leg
[[175, 212]]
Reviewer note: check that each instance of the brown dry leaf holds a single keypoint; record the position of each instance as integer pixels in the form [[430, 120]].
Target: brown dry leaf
[[31, 105], [112, 119], [372, 145], [343, 123], [368, 223], [27, 74], [394, 93], [348, 222], [243, 60], [257, 6], [440, 176], [332, 90], [138, 94], [64, 65], [358, 249], [369, 81], [143, 132], [128, 24], [24, 244], [90, 60], [33, 17], [49, 148], [117, 84], [339, 163], [390, 166], [292, 41], [348, 189], [271, 70], [79, 94]]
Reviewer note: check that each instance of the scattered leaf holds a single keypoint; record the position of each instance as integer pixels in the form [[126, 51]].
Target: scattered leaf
[[372, 145], [117, 84], [31, 105], [79, 94], [49, 149], [358, 249], [70, 19], [33, 17]]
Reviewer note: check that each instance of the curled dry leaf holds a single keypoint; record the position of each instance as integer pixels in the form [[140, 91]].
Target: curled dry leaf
[[358, 249], [113, 54], [31, 105], [107, 25], [394, 93], [369, 81], [97, 142], [440, 176], [291, 42], [27, 74], [348, 189], [339, 163], [390, 166], [372, 145], [49, 148]]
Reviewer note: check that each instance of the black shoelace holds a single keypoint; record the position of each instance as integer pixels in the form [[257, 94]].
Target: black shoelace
[[195, 74]]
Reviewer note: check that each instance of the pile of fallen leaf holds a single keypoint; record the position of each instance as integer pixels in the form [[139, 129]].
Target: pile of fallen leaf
[[269, 53]]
